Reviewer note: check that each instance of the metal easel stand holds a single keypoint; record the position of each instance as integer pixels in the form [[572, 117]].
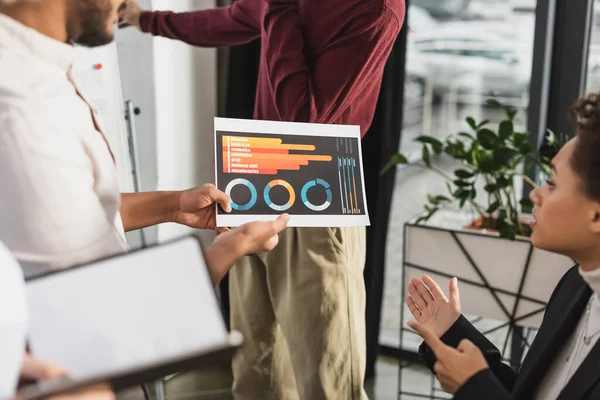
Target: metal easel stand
[[133, 154], [159, 389], [159, 386], [517, 336]]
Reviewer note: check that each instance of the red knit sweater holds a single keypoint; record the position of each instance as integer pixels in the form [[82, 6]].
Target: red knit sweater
[[321, 60]]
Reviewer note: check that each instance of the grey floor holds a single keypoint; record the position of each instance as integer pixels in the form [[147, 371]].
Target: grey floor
[[215, 384]]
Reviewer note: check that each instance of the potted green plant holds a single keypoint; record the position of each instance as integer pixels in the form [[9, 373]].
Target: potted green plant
[[498, 158], [503, 277]]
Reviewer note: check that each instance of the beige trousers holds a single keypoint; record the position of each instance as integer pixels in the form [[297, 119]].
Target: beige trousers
[[301, 309]]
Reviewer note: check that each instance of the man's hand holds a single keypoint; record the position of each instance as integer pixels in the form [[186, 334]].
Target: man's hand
[[256, 237], [129, 14], [430, 307], [33, 370], [197, 207], [454, 367], [98, 392], [252, 238]]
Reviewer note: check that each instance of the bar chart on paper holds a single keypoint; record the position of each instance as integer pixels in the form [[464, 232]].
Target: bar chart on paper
[[268, 168]]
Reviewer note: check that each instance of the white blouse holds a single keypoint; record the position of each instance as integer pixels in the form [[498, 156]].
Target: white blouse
[[59, 195], [13, 322], [574, 352]]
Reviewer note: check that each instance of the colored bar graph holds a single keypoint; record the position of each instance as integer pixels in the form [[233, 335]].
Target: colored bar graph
[[341, 190], [347, 179], [349, 186], [265, 156], [345, 185], [349, 190], [354, 184]]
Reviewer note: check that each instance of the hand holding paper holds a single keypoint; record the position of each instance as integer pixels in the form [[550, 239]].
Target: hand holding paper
[[197, 207], [454, 367]]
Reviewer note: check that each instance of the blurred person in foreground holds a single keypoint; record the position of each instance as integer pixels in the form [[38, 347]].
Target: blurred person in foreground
[[17, 367]]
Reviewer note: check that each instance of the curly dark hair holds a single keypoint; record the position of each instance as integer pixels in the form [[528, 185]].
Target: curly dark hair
[[585, 159]]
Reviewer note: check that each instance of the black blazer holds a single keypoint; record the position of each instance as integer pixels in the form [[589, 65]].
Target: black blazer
[[501, 382]]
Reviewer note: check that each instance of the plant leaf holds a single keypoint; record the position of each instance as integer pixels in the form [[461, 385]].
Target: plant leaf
[[472, 193], [503, 182], [441, 198], [525, 148], [461, 194], [463, 174], [394, 160], [467, 135], [494, 102], [461, 183], [506, 129], [493, 207], [486, 162], [504, 155], [436, 145], [487, 139], [455, 149], [505, 227], [436, 200], [550, 136], [472, 123], [426, 156], [511, 113], [483, 123], [507, 232], [490, 188], [425, 218]]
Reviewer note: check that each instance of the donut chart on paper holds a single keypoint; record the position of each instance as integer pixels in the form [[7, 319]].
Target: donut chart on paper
[[253, 194], [288, 187], [311, 184]]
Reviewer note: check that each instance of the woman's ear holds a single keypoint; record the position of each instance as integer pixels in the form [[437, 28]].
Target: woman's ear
[[595, 223]]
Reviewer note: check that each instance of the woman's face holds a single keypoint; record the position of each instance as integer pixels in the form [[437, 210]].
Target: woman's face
[[566, 220]]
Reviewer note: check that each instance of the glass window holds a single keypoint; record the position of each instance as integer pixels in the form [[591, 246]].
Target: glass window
[[593, 71], [452, 69]]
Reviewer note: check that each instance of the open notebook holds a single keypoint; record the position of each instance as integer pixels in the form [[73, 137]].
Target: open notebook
[[128, 319]]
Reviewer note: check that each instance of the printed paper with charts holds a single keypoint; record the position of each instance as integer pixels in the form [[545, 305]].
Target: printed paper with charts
[[313, 172]]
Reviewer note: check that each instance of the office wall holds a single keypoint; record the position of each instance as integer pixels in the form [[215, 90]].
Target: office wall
[[136, 64], [185, 80]]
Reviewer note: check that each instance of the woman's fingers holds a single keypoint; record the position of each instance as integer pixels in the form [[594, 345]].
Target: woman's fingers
[[425, 293], [434, 288], [413, 307], [419, 300], [454, 293]]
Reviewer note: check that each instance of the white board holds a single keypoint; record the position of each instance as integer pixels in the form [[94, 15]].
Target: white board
[[96, 73]]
